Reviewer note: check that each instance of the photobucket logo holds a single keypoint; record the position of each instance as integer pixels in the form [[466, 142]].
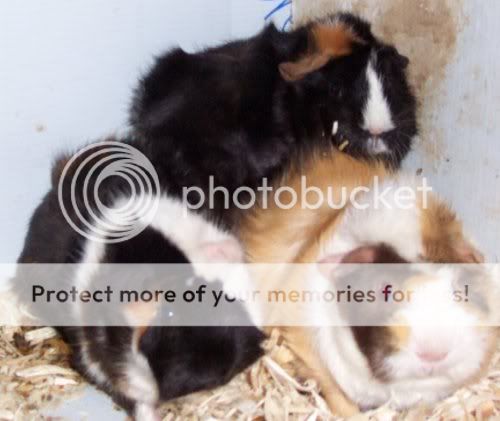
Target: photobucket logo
[[90, 175], [391, 194]]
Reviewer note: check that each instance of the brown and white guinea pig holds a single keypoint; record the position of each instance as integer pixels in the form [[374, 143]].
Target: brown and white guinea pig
[[405, 361], [240, 111], [148, 354]]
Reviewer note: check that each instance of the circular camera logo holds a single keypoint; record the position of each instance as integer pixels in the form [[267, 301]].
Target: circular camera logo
[[85, 179]]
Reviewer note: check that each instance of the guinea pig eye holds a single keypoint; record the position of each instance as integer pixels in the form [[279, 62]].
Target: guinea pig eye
[[394, 57], [336, 91]]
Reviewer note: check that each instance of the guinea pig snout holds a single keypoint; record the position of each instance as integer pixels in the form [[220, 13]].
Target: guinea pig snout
[[429, 355], [432, 347], [375, 131]]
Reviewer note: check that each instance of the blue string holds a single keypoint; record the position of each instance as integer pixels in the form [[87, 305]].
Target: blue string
[[280, 6], [288, 21]]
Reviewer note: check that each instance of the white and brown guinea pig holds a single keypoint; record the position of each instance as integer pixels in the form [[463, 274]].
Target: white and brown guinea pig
[[367, 366], [145, 358]]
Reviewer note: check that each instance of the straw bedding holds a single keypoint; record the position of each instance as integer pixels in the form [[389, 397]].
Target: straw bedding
[[35, 375]]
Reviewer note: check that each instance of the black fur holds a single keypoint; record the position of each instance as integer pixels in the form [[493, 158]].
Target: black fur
[[227, 112]]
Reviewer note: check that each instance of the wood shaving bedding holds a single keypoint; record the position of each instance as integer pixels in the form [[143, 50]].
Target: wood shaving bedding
[[35, 375]]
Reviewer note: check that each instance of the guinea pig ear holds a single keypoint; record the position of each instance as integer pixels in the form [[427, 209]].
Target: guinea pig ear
[[444, 238], [292, 71], [378, 253], [328, 42], [394, 56], [364, 254], [224, 251], [467, 253], [57, 169], [403, 61]]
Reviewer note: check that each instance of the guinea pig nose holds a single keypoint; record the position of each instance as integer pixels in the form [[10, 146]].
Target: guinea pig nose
[[432, 356], [375, 131]]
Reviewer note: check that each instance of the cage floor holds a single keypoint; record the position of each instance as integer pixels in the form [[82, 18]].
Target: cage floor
[[36, 382]]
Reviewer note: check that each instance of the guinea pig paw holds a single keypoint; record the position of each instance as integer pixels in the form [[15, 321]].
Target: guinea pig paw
[[146, 412]]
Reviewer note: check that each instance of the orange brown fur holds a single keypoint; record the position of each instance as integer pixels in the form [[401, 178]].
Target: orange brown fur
[[275, 235], [299, 340], [334, 41], [327, 42], [443, 237]]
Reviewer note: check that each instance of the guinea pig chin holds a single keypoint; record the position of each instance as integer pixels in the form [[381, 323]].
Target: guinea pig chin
[[360, 143]]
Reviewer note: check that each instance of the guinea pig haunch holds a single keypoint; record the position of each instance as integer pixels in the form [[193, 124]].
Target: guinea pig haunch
[[399, 357]]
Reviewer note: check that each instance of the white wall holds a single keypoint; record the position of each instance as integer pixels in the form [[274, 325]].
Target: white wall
[[464, 128], [67, 70]]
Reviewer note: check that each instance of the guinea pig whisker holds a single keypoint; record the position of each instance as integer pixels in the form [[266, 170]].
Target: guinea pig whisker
[[401, 133], [404, 112]]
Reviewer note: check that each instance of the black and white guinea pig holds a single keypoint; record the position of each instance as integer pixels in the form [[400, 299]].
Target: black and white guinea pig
[[242, 110], [147, 356]]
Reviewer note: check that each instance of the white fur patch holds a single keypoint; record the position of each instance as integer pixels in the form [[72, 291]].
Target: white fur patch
[[442, 326], [93, 368], [377, 116], [371, 222], [140, 384], [93, 254], [144, 412]]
